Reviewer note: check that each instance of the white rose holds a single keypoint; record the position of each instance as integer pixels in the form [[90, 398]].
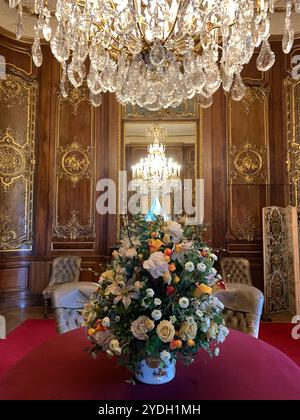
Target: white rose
[[199, 313], [201, 267], [157, 302], [189, 266], [156, 265], [106, 322], [156, 314], [150, 292], [184, 302], [131, 253], [214, 257], [213, 271], [114, 344]]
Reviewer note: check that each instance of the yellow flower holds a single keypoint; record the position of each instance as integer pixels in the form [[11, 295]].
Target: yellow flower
[[201, 289], [176, 279], [167, 277], [165, 331], [188, 330], [149, 324], [178, 248]]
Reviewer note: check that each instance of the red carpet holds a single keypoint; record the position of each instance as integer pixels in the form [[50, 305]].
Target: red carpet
[[23, 339], [279, 336]]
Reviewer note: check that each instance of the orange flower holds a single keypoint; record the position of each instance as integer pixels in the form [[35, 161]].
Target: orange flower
[[168, 252], [190, 343], [175, 344], [155, 245], [172, 267], [201, 289]]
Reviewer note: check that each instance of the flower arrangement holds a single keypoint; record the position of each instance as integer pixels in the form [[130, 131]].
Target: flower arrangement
[[156, 301]]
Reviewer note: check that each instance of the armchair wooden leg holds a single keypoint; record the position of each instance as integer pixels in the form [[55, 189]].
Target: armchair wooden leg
[[45, 308]]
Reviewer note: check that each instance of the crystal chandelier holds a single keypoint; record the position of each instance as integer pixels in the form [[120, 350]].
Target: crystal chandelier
[[156, 53], [156, 170]]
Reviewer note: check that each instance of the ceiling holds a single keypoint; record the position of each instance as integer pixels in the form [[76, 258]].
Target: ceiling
[[8, 18]]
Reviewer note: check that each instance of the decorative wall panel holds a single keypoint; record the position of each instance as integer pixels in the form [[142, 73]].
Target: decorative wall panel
[[281, 260], [247, 163], [292, 90], [17, 162], [75, 173]]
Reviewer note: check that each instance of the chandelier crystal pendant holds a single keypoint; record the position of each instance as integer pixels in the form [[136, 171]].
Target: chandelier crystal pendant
[[156, 53]]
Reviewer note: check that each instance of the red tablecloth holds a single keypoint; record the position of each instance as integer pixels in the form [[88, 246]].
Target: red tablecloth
[[246, 368]]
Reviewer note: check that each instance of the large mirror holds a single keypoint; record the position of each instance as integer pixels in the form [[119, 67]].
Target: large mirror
[[172, 139]]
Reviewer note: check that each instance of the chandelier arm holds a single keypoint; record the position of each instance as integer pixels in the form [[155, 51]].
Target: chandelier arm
[[181, 3], [139, 26]]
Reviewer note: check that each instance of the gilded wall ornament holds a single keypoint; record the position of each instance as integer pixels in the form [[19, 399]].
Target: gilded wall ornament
[[75, 162], [253, 95], [248, 163], [249, 229], [8, 233], [73, 229], [15, 159], [76, 96], [13, 92], [17, 162]]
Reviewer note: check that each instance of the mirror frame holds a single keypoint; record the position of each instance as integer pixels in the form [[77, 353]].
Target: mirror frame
[[189, 111]]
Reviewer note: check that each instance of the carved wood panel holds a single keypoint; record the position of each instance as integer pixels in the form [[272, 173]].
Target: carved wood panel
[[17, 162], [74, 192], [247, 163]]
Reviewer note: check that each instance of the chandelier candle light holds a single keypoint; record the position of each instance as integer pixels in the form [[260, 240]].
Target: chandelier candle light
[[157, 53]]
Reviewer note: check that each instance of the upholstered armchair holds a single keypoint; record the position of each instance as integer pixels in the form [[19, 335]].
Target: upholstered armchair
[[243, 306], [236, 270], [68, 299], [64, 270]]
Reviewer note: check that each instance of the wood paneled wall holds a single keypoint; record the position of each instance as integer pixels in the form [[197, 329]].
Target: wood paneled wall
[[53, 151]]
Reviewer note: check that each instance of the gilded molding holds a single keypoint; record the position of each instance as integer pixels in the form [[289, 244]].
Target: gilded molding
[[74, 162], [188, 110], [292, 90], [253, 95], [72, 228]]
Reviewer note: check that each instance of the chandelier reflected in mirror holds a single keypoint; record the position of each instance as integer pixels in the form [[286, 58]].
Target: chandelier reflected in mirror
[[156, 53], [156, 169], [156, 175]]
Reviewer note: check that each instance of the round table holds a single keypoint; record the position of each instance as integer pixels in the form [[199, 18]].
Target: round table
[[246, 368]]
